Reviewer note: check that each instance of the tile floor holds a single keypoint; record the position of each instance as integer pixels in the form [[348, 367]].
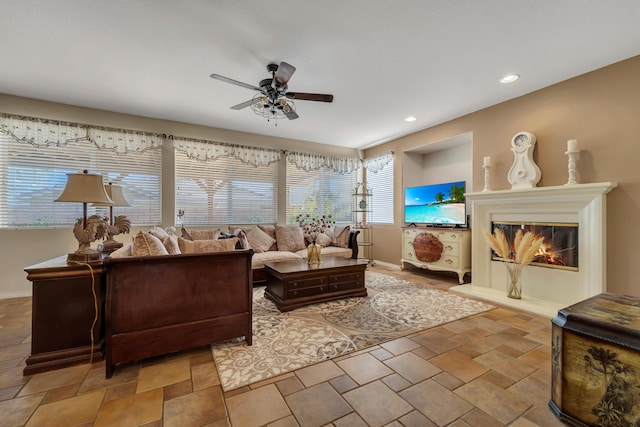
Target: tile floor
[[488, 370]]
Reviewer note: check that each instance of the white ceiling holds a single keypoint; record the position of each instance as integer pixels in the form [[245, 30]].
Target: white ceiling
[[381, 59]]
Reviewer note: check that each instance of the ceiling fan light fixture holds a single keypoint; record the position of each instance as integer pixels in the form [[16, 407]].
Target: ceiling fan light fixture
[[275, 108]]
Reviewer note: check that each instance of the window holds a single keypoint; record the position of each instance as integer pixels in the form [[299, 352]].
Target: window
[[32, 178], [319, 192], [381, 185], [225, 191]]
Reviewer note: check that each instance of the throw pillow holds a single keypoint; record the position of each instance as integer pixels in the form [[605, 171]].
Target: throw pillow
[[182, 243], [341, 235], [123, 252], [329, 232], [145, 244], [323, 240], [171, 244], [289, 237], [159, 233], [242, 237], [204, 234], [200, 234], [270, 229], [209, 245], [259, 240], [185, 234]]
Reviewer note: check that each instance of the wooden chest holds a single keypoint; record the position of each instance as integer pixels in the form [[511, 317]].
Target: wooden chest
[[596, 362]]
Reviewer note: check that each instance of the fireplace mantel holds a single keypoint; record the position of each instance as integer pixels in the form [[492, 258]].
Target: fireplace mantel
[[544, 290]]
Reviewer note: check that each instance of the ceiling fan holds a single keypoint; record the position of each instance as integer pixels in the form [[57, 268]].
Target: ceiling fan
[[273, 99]]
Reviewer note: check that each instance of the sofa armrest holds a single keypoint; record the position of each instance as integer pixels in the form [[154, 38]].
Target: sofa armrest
[[353, 243]]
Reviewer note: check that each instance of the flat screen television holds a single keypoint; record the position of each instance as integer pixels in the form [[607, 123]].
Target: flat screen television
[[436, 204]]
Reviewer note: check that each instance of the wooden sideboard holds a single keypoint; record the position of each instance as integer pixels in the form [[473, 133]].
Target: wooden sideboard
[[63, 314], [438, 249]]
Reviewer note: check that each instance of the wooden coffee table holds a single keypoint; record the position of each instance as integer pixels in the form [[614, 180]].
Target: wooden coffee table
[[294, 283]]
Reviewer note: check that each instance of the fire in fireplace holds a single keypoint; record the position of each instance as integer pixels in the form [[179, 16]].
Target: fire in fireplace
[[559, 248]]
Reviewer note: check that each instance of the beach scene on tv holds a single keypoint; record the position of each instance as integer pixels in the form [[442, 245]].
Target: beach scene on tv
[[435, 204]]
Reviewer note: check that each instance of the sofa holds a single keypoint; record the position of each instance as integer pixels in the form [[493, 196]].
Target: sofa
[[167, 293], [157, 304], [269, 242], [275, 242]]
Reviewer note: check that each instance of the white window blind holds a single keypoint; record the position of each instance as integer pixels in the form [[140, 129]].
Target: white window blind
[[319, 192], [32, 177], [225, 191], [381, 185]]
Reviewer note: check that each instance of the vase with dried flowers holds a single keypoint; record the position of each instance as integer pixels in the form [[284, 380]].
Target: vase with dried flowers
[[313, 228], [524, 250]]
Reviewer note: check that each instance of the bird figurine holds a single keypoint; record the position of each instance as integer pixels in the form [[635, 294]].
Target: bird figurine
[[121, 225], [94, 229]]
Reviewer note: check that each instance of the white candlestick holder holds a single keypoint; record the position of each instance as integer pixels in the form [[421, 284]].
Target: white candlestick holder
[[487, 177], [573, 156]]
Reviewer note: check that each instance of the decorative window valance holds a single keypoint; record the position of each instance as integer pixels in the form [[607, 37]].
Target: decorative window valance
[[44, 133], [376, 164], [311, 162], [123, 141], [204, 150], [39, 132]]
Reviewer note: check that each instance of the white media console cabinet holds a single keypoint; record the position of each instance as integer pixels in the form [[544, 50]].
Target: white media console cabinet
[[438, 249]]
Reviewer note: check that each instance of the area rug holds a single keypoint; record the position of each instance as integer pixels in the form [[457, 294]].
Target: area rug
[[283, 342]]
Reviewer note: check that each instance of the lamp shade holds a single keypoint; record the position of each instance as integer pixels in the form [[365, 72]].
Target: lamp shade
[[85, 188], [115, 194]]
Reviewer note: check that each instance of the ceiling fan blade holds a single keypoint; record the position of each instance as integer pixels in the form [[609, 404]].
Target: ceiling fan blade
[[234, 82], [291, 115], [242, 105], [310, 96], [284, 73]]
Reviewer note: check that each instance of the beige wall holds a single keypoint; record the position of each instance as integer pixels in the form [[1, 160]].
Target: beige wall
[[600, 109], [21, 248]]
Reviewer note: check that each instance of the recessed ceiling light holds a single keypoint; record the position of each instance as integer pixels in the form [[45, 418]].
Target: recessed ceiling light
[[509, 78], [410, 119]]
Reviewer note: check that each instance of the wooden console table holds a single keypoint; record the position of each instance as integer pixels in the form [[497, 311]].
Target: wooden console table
[[63, 311]]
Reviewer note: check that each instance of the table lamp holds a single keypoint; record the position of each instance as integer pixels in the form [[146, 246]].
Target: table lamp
[[85, 188], [118, 225]]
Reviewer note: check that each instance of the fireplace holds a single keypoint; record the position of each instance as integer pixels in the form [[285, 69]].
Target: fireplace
[[581, 208], [559, 249]]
